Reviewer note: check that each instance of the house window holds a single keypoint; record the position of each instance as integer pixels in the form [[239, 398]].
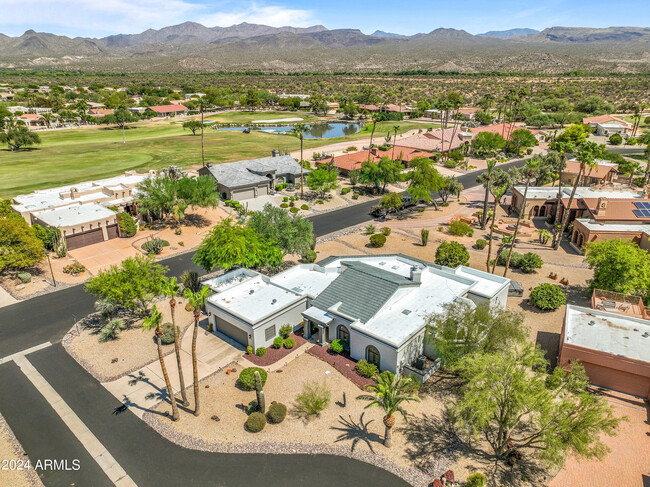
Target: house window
[[372, 355], [269, 333], [343, 334]]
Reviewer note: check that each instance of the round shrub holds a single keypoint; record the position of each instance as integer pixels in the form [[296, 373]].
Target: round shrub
[[276, 413], [24, 277], [480, 244], [476, 480], [285, 330], [366, 369], [168, 333], [309, 257], [285, 199], [337, 346], [294, 210], [256, 422], [385, 231], [260, 352], [378, 240], [616, 139], [355, 196], [460, 228], [247, 377], [284, 205], [346, 190], [529, 262], [249, 350], [304, 207], [452, 254], [289, 343], [547, 297], [277, 342]]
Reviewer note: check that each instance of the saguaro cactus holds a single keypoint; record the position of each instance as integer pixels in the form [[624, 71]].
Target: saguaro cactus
[[260, 393]]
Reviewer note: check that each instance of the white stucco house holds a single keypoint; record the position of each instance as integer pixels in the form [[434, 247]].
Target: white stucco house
[[378, 305]]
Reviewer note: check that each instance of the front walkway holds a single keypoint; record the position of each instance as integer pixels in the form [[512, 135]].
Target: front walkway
[[144, 388]]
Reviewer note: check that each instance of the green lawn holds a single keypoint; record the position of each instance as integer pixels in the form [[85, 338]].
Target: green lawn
[[247, 117], [70, 156]]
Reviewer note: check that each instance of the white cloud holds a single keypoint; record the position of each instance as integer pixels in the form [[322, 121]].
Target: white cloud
[[97, 18]]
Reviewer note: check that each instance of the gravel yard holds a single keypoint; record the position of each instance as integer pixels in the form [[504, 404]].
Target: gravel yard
[[132, 349], [11, 451]]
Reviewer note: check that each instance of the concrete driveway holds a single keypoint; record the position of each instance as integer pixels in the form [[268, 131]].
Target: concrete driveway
[[102, 255]]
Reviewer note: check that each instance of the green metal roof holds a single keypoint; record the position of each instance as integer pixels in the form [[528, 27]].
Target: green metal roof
[[361, 289]]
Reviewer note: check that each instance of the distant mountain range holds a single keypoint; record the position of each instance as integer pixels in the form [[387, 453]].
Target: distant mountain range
[[192, 47]]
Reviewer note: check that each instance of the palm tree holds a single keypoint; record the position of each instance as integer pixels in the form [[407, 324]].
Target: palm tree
[[587, 153], [375, 119], [153, 322], [498, 194], [202, 103], [197, 301], [389, 393], [395, 129], [299, 130], [532, 165], [505, 240], [171, 289], [486, 179], [564, 148]]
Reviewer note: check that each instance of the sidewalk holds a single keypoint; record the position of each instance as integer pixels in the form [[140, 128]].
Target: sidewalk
[[144, 388]]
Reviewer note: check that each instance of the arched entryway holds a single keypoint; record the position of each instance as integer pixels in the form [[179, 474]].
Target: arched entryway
[[580, 240], [542, 210], [372, 355], [343, 334], [535, 210]]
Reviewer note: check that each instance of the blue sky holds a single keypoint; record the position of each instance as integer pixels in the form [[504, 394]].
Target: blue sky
[[97, 18]]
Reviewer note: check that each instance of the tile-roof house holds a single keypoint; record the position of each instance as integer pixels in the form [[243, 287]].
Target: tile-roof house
[[440, 140], [256, 177], [378, 305], [168, 110], [602, 173], [347, 162]]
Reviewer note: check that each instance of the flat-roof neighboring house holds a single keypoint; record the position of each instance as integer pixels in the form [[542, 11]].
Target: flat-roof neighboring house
[[256, 177], [377, 305], [347, 162], [603, 172], [610, 128], [594, 122], [613, 348], [169, 110]]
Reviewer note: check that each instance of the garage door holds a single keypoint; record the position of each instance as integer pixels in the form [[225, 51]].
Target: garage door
[[618, 380], [232, 331], [112, 231], [83, 239], [243, 194]]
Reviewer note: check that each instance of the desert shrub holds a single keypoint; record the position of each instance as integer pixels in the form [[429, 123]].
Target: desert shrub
[[191, 281], [452, 254], [252, 407], [289, 343], [127, 225], [309, 257], [276, 413], [366, 369], [514, 259], [74, 269], [337, 346], [547, 297], [450, 163], [480, 244], [304, 207], [616, 139], [385, 231], [460, 228], [377, 240], [346, 190], [168, 333], [355, 196], [529, 262], [24, 277], [476, 480], [424, 235], [256, 422], [249, 350], [319, 202], [246, 378], [277, 342], [181, 243], [110, 330], [232, 204], [291, 202], [285, 199], [352, 148], [154, 245], [178, 231], [284, 205], [294, 210], [286, 330], [313, 399], [370, 229], [260, 352]]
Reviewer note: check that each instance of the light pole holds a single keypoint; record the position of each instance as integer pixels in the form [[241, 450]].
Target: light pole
[[47, 252]]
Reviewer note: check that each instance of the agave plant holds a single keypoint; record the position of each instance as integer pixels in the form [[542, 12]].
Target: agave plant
[[111, 330]]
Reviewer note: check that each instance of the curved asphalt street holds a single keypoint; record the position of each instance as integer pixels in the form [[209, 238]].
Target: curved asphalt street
[[147, 458]]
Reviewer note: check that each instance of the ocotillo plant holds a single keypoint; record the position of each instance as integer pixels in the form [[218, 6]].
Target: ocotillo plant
[[260, 393]]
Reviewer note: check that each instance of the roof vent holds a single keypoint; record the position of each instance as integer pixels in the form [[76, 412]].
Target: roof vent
[[251, 291], [406, 312], [382, 263], [646, 335], [591, 323], [274, 301]]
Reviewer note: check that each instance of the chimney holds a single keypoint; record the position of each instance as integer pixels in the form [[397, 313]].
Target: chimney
[[275, 153], [602, 206], [416, 274]]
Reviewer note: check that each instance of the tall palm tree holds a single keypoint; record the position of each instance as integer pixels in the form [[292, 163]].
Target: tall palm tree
[[375, 119], [498, 194], [299, 130], [153, 322], [388, 393], [532, 166], [486, 179], [587, 153], [395, 129], [171, 289], [197, 301], [505, 240], [202, 104], [564, 148]]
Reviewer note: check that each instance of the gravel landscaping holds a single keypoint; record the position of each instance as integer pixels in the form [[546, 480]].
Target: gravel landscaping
[[11, 450], [341, 363], [132, 350]]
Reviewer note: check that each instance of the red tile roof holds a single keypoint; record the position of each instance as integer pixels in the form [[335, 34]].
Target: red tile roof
[[600, 171], [433, 141], [168, 108], [501, 128], [605, 119], [347, 162], [617, 210]]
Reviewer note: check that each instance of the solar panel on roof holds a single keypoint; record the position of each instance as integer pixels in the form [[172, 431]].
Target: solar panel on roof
[[643, 205], [642, 213]]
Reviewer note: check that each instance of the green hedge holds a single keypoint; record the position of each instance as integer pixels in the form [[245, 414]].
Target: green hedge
[[246, 378]]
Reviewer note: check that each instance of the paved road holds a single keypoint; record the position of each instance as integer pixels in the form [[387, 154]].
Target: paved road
[[147, 458]]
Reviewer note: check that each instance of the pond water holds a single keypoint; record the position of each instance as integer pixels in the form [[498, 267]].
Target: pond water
[[314, 131]]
